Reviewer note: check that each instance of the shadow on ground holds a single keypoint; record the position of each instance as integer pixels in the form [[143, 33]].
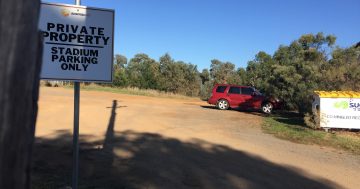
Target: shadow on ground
[[210, 107], [298, 121], [145, 160], [247, 111]]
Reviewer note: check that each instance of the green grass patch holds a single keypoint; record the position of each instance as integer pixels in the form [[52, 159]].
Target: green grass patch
[[133, 91], [294, 129]]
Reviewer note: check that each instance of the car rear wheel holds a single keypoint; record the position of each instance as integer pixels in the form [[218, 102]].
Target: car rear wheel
[[222, 104], [267, 108]]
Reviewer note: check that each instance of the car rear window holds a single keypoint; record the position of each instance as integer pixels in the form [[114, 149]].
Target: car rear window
[[247, 91], [220, 89], [234, 90]]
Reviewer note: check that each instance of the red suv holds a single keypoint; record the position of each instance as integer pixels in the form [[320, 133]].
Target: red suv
[[244, 97]]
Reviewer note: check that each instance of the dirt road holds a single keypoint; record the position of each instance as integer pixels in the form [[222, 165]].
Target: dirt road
[[145, 142]]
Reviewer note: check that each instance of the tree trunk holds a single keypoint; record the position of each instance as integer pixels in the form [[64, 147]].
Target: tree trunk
[[20, 63]]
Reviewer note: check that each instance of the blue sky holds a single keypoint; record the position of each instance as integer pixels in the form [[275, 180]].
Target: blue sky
[[197, 31]]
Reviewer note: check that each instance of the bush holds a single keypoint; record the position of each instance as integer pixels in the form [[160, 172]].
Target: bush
[[312, 120], [205, 91]]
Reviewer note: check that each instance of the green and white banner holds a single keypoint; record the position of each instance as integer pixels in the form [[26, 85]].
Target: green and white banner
[[340, 113]]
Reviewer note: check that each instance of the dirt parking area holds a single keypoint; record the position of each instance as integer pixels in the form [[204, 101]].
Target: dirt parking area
[[147, 142]]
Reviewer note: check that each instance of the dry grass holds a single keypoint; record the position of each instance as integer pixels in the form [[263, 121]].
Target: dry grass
[[133, 91], [294, 129]]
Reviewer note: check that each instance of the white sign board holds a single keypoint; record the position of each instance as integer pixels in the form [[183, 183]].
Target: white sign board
[[340, 113], [78, 43]]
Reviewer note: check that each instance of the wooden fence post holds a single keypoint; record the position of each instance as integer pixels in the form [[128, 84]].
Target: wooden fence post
[[20, 64]]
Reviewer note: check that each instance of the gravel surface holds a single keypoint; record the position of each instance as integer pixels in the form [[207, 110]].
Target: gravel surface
[[147, 142]]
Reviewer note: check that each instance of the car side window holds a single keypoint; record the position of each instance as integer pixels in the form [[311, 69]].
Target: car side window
[[247, 91], [234, 90], [220, 89]]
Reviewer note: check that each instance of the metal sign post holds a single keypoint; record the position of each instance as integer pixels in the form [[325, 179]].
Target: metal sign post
[[76, 130], [76, 135], [78, 46]]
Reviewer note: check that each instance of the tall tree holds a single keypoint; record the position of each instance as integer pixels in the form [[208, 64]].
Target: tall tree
[[205, 76], [241, 72], [259, 71], [297, 72], [343, 70], [167, 71], [120, 61], [120, 77], [222, 72], [178, 76], [143, 72], [20, 62]]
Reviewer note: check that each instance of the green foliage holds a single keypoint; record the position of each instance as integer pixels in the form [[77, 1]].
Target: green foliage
[[143, 72], [205, 91], [178, 77], [259, 71], [205, 76], [295, 71], [343, 70], [119, 75], [223, 72], [119, 78], [292, 73], [220, 73], [206, 84], [166, 75]]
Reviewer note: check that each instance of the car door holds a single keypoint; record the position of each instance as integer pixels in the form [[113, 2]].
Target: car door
[[234, 96], [251, 100]]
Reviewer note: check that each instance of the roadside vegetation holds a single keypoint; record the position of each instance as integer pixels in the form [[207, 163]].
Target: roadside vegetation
[[294, 129], [132, 91], [311, 62]]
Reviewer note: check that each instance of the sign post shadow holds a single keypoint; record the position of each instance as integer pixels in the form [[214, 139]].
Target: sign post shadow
[[78, 47]]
